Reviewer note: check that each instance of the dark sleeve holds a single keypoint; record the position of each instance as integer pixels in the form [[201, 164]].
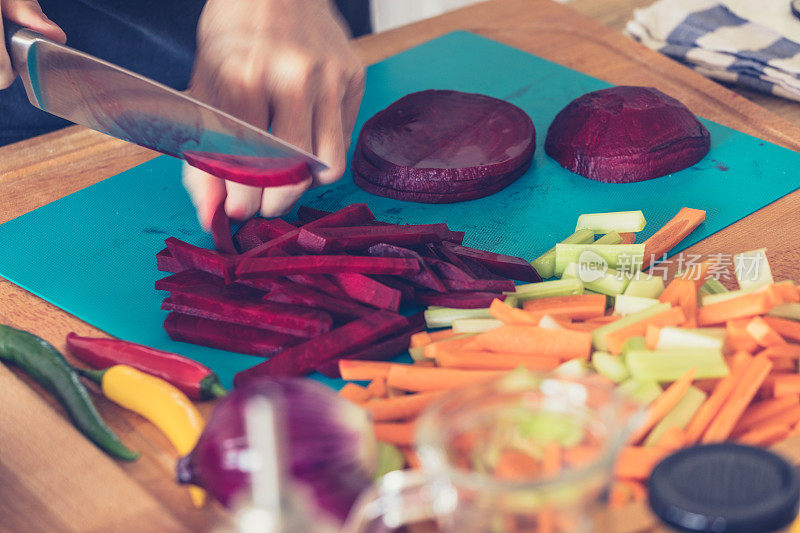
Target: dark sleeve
[[356, 13]]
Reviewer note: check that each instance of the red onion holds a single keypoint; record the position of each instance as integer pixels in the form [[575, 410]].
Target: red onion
[[626, 134], [328, 445]]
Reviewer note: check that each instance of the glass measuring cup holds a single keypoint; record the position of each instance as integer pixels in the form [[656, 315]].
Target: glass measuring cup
[[522, 453]]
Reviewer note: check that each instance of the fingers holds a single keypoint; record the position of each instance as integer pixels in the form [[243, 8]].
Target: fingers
[[206, 192], [243, 201], [329, 142], [278, 201], [28, 13], [352, 101]]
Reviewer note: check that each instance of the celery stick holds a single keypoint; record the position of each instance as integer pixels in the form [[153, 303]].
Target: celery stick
[[645, 286], [669, 365], [605, 281], [671, 337], [633, 343], [545, 264], [511, 300], [599, 334], [443, 317], [549, 322], [610, 366], [609, 238], [620, 221], [628, 256], [713, 286], [547, 289], [752, 269], [679, 416], [475, 325], [625, 304], [789, 311], [573, 368], [721, 297], [641, 391], [389, 459], [544, 426]]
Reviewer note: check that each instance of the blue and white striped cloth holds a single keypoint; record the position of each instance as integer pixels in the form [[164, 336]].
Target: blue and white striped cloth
[[718, 43]]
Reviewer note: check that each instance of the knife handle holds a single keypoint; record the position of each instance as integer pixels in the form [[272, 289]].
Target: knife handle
[[9, 29]]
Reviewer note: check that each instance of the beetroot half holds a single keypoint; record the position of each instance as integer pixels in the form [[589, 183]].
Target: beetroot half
[[626, 134], [441, 146], [254, 171]]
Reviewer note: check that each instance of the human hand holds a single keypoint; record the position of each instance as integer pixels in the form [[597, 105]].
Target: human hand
[[284, 64], [25, 13]]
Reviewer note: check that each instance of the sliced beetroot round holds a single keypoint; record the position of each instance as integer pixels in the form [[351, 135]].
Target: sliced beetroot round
[[437, 198], [255, 171], [426, 180], [626, 134]]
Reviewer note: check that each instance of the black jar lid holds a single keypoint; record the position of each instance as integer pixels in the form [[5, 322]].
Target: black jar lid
[[724, 488]]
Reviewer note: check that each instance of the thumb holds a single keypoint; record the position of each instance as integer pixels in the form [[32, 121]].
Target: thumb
[[28, 13]]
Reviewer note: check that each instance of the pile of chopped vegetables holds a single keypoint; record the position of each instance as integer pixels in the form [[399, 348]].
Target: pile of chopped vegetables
[[710, 364], [328, 288]]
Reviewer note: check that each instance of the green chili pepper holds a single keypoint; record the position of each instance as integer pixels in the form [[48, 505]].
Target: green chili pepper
[[39, 359]]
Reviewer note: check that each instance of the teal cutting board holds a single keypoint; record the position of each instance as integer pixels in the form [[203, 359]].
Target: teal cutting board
[[93, 253]]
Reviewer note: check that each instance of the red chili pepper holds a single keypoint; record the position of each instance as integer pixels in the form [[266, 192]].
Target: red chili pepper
[[197, 381]]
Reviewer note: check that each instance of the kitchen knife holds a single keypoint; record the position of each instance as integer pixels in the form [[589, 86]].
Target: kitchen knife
[[110, 99]]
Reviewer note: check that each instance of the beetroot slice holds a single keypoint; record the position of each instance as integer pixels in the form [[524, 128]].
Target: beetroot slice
[[285, 291], [227, 336], [425, 277], [626, 134], [194, 257], [322, 240], [325, 264], [407, 290], [368, 291], [452, 131], [166, 263], [502, 265], [221, 230], [254, 171], [303, 358], [459, 300], [437, 198], [455, 279], [217, 303], [188, 278], [384, 350]]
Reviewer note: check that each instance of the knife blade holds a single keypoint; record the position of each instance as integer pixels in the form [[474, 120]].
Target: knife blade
[[102, 96]]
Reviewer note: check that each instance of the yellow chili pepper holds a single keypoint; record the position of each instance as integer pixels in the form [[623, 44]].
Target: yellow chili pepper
[[169, 409]]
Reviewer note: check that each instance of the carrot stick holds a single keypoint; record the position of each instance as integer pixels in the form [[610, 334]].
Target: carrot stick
[[560, 343], [637, 490], [516, 465], [788, 328], [763, 333], [628, 238], [673, 290], [399, 433], [766, 435], [400, 407], [551, 459], [782, 351], [673, 316], [783, 364], [377, 388], [699, 275], [510, 315], [426, 337], [619, 496], [411, 458], [424, 363], [482, 360], [711, 407], [759, 413], [636, 462], [420, 379], [753, 375], [576, 307], [672, 439], [682, 293], [355, 393], [707, 385], [357, 370], [664, 404], [601, 320], [737, 338], [432, 349], [788, 292], [767, 388], [673, 232], [786, 385], [580, 456], [746, 305], [651, 336]]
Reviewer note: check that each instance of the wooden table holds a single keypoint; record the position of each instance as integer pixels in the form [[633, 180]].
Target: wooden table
[[51, 479]]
